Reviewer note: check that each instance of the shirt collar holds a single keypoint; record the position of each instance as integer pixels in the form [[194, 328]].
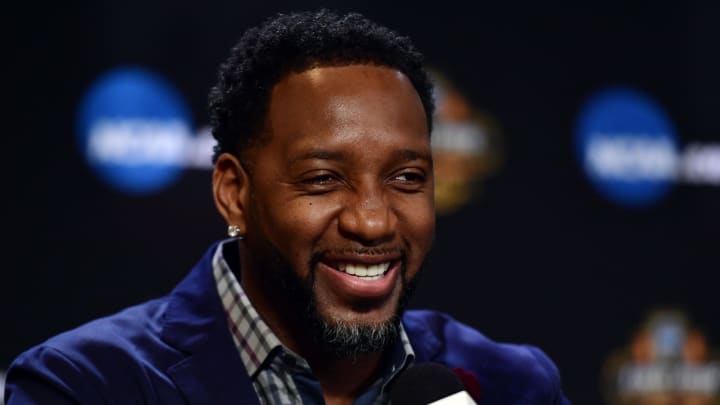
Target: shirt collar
[[253, 338]]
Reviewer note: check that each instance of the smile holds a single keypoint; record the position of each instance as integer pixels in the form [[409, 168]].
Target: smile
[[360, 276], [366, 272]]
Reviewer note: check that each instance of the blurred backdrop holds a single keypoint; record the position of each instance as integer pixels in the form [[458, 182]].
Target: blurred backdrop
[[578, 173]]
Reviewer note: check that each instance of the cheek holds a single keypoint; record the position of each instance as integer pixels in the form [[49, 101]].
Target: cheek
[[418, 220], [298, 225]]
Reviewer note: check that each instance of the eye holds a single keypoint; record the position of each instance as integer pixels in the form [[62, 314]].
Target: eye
[[410, 177], [320, 180], [409, 180]]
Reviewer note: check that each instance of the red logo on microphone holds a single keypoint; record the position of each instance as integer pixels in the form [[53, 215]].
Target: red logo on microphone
[[470, 381]]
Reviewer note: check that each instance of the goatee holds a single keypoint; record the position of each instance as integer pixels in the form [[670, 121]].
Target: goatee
[[347, 339], [339, 338]]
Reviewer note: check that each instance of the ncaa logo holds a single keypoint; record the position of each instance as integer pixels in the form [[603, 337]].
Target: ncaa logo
[[626, 146], [134, 129]]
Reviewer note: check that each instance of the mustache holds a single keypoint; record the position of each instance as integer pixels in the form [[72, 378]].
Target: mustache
[[366, 251], [317, 256]]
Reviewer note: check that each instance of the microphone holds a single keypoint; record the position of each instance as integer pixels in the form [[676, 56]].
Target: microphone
[[429, 383]]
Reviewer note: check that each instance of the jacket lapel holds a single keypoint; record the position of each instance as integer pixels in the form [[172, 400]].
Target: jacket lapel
[[208, 379], [195, 323]]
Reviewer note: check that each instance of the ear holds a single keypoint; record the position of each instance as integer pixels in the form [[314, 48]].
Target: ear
[[231, 189]]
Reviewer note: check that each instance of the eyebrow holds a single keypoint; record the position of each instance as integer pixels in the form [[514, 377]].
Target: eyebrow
[[405, 155], [320, 155], [410, 155]]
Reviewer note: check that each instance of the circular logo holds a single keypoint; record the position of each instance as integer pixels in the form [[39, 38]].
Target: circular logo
[[627, 146], [134, 129]]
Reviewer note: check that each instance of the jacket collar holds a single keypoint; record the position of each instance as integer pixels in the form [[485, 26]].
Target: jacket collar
[[195, 324], [423, 334]]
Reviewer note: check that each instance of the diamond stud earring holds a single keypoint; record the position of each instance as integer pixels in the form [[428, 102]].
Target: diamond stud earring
[[233, 231]]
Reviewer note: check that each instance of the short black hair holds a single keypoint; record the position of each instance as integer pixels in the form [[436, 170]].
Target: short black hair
[[295, 42]]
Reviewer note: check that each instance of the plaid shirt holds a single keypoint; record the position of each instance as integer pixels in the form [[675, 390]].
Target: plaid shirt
[[280, 376]]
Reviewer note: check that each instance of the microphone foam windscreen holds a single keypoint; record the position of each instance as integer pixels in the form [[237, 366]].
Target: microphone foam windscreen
[[424, 383]]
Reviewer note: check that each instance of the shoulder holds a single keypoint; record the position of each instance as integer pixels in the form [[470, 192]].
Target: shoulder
[[124, 348], [507, 372], [125, 333]]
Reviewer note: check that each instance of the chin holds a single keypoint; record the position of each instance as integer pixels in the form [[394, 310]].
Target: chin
[[347, 330], [347, 336]]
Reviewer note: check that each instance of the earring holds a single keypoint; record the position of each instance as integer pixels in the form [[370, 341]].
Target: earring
[[233, 231]]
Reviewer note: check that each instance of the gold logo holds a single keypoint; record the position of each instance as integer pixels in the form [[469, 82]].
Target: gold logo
[[466, 146], [668, 361]]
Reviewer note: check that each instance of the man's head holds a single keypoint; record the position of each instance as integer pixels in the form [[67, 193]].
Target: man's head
[[293, 43], [324, 163]]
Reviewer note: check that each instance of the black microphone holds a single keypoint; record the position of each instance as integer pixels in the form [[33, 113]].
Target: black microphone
[[429, 383]]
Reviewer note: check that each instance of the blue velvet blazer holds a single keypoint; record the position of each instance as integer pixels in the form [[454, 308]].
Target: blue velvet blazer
[[177, 350]]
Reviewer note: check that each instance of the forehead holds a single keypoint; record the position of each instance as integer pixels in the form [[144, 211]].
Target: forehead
[[344, 79], [362, 102]]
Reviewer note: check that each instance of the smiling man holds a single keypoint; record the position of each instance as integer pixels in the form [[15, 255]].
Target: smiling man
[[324, 174]]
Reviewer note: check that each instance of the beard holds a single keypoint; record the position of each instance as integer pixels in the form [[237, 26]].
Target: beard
[[343, 339], [348, 339]]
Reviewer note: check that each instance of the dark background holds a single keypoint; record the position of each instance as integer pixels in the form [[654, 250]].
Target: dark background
[[540, 257]]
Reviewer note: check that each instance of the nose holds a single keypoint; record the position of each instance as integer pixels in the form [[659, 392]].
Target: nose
[[368, 218]]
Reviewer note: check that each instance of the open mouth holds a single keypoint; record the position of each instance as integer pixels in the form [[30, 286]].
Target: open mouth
[[363, 271], [360, 276]]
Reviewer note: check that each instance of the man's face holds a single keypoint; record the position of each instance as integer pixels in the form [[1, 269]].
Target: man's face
[[342, 190]]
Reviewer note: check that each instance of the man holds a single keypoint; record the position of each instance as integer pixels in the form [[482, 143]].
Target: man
[[323, 172]]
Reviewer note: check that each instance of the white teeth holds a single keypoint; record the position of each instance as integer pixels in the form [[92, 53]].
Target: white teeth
[[371, 272]]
